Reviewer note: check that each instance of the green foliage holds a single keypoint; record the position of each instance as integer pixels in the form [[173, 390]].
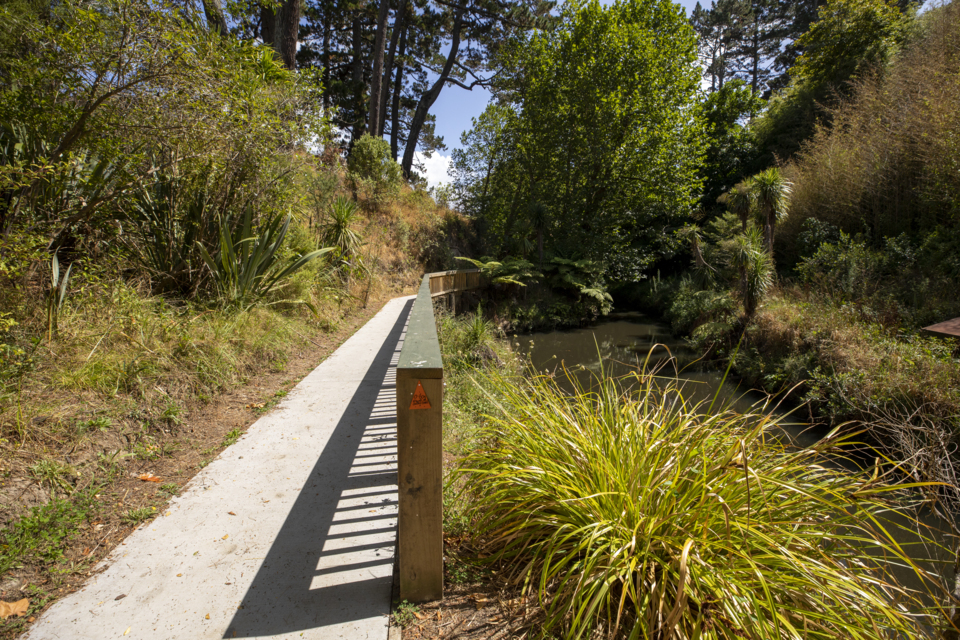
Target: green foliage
[[79, 89], [647, 515], [169, 488], [337, 232], [906, 284], [730, 147], [848, 37], [53, 474], [772, 193], [884, 167], [468, 341], [372, 167], [510, 270], [41, 536], [741, 200], [692, 306], [755, 268], [584, 278], [136, 516], [604, 134], [248, 264], [851, 40], [231, 438], [171, 219], [405, 613], [56, 294]]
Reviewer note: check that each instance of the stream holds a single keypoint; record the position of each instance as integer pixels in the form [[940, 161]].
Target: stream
[[620, 342]]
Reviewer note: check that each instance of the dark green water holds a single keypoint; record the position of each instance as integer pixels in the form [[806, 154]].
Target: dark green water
[[622, 342]]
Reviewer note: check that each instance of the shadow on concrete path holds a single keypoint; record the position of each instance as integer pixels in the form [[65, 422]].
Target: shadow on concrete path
[[313, 576]]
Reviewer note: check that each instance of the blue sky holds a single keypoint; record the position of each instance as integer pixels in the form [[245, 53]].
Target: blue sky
[[454, 109]]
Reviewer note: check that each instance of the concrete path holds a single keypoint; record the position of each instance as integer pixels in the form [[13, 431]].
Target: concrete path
[[309, 553]]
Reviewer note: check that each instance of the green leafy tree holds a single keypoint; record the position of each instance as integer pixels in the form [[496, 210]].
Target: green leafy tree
[[730, 148], [371, 166], [848, 37], [606, 136]]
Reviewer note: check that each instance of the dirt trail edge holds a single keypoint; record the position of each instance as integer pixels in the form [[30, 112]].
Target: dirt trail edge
[[289, 533]]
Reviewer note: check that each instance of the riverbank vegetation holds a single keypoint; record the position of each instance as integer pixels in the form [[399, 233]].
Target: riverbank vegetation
[[627, 508], [863, 259]]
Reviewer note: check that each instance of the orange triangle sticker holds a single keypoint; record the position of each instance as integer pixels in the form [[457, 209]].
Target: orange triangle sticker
[[419, 400]]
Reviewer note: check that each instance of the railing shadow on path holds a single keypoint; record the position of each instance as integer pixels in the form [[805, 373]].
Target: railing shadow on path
[[332, 562]]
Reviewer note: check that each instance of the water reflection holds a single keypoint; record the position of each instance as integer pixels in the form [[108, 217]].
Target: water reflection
[[623, 342]]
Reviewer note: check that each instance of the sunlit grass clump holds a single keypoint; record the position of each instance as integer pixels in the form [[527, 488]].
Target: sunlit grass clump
[[644, 516]]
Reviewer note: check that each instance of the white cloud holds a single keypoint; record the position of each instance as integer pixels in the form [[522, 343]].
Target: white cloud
[[436, 167]]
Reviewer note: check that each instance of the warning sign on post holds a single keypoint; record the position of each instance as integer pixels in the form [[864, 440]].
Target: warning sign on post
[[420, 400]]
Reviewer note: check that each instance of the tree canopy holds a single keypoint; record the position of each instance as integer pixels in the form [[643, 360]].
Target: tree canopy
[[600, 130]]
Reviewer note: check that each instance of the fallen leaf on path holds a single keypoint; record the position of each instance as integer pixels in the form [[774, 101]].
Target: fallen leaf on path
[[121, 596], [18, 608], [127, 632], [208, 617], [225, 537], [148, 477], [31, 619], [231, 513]]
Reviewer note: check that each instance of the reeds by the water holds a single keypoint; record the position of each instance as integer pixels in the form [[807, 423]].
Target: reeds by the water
[[647, 516]]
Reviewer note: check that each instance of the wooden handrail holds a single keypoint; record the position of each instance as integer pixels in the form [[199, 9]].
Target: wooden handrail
[[447, 282], [420, 440]]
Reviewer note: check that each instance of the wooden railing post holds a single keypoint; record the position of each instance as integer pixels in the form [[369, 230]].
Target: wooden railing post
[[420, 441], [420, 455]]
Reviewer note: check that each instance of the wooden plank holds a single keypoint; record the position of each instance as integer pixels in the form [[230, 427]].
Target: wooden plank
[[420, 488], [948, 329], [421, 349]]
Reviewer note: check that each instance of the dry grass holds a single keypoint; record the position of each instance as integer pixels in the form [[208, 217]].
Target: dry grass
[[905, 388], [133, 383], [886, 164]]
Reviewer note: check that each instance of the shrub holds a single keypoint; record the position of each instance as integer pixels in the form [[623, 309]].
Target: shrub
[[650, 517], [372, 169], [247, 265], [692, 306]]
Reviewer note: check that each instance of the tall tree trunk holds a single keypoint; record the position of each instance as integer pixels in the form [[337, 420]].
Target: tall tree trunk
[[427, 99], [755, 53], [376, 81], [326, 62], [287, 33], [268, 22], [398, 26], [359, 113], [216, 21], [395, 108]]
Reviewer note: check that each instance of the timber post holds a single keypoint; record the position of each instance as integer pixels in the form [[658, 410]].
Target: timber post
[[420, 441]]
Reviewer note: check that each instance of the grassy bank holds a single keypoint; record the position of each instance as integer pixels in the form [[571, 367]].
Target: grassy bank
[[840, 356], [128, 384]]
